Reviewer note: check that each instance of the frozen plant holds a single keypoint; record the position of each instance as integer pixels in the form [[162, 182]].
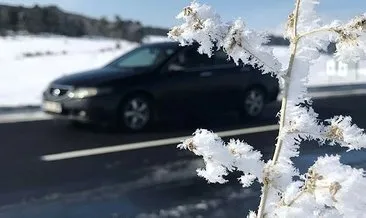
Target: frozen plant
[[329, 188]]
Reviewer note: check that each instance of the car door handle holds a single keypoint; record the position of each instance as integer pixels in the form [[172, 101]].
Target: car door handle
[[206, 74]]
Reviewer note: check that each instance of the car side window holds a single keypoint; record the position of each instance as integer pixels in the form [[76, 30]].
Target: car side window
[[190, 58], [144, 57], [221, 58]]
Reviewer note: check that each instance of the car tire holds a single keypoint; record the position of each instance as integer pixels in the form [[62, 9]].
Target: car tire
[[136, 113], [253, 103]]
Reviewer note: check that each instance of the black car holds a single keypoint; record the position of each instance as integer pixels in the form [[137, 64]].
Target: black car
[[155, 81]]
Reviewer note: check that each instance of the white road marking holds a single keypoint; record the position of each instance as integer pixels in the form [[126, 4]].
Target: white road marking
[[148, 144], [331, 94], [23, 117], [336, 93]]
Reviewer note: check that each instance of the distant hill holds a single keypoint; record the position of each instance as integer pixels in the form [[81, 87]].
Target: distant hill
[[52, 19]]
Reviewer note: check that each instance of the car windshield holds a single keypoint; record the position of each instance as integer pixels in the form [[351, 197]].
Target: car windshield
[[147, 56]]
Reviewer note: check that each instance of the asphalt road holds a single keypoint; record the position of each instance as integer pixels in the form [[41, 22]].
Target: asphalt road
[[158, 181]]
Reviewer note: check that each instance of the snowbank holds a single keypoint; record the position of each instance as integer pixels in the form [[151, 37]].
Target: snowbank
[[23, 79], [17, 47]]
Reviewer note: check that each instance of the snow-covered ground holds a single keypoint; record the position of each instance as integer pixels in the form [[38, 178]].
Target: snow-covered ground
[[18, 47], [22, 79], [29, 63]]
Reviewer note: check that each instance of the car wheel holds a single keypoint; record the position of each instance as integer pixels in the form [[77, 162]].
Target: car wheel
[[136, 113], [253, 103]]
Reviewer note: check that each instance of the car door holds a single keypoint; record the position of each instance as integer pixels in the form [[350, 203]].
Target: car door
[[185, 83], [228, 80]]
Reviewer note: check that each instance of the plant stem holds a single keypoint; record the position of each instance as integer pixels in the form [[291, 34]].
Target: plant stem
[[280, 139], [287, 82], [284, 103], [329, 29], [294, 42], [262, 204], [296, 198], [297, 9]]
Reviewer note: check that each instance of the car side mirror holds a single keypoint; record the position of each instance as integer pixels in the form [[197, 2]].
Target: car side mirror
[[175, 67]]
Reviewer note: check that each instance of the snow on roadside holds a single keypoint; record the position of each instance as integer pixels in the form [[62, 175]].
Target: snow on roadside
[[16, 47], [22, 80]]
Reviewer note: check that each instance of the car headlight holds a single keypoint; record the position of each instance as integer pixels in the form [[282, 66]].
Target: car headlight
[[87, 92]]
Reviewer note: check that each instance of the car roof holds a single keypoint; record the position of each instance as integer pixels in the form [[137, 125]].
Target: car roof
[[161, 44]]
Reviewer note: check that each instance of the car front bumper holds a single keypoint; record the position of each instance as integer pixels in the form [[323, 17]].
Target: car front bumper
[[97, 109]]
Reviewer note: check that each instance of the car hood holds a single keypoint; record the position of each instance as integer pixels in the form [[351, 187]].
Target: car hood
[[96, 77]]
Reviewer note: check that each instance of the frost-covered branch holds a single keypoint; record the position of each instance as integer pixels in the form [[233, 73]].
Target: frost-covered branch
[[337, 130], [350, 45], [341, 131], [323, 191], [327, 190], [221, 158], [349, 38], [203, 25]]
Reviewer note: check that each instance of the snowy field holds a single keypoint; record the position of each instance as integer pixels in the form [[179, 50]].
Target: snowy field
[[29, 63], [23, 78]]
